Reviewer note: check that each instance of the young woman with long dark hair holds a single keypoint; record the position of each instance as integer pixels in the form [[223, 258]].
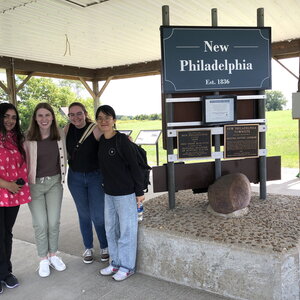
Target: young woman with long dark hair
[[14, 189]]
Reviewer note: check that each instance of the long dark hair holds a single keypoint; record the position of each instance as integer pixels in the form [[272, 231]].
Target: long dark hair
[[4, 107], [34, 133]]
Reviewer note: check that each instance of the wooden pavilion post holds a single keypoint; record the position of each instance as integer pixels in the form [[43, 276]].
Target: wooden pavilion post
[[11, 83]]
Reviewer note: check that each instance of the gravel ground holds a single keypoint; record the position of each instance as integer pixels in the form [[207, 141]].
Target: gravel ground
[[270, 225]]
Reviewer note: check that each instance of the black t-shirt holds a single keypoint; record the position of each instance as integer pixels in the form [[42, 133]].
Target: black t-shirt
[[85, 159], [122, 176]]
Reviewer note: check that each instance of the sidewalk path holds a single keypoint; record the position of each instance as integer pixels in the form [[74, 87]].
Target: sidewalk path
[[288, 185], [81, 281]]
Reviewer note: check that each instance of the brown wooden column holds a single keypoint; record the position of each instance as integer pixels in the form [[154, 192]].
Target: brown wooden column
[[95, 93], [11, 89], [11, 83]]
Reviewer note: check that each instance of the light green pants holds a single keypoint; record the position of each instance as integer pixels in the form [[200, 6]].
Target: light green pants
[[45, 209]]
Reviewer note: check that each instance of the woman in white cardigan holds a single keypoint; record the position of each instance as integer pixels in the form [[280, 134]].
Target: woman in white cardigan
[[46, 159]]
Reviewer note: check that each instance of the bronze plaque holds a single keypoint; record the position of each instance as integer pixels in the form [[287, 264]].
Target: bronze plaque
[[194, 143], [241, 141]]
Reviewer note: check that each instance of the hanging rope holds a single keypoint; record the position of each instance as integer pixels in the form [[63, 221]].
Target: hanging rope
[[68, 46]]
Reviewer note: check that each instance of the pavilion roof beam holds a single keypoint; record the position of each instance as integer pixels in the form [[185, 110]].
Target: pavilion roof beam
[[286, 49], [25, 67], [129, 71]]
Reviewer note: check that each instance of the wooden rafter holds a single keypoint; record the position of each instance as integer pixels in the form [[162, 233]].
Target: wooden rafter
[[24, 82], [85, 84], [104, 86], [4, 87], [286, 68]]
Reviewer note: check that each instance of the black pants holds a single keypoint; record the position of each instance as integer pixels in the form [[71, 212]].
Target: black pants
[[8, 217]]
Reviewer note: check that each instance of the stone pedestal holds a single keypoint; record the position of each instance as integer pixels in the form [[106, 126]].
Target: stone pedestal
[[227, 270]]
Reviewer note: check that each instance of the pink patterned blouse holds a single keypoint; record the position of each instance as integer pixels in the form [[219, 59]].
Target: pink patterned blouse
[[12, 167]]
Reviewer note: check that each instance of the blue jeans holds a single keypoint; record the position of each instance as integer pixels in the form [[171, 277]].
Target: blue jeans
[[88, 195], [121, 226]]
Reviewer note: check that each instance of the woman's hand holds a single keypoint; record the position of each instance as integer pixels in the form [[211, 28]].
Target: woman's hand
[[13, 187], [139, 200]]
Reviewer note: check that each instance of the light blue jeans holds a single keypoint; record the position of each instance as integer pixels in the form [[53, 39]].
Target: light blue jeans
[[121, 225]]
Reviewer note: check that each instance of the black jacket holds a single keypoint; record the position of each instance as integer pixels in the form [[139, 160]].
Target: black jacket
[[122, 174]]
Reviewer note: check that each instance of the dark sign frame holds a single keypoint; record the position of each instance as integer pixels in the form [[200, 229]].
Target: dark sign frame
[[186, 139], [212, 114], [203, 58]]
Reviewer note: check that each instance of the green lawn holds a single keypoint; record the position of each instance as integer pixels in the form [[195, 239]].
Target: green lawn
[[282, 137]]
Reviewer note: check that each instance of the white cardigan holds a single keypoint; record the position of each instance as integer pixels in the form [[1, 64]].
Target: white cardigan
[[31, 157]]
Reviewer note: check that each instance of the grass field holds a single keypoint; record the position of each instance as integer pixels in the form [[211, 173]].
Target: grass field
[[282, 137]]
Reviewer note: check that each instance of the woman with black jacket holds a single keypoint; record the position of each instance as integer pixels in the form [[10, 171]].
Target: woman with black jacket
[[123, 187]]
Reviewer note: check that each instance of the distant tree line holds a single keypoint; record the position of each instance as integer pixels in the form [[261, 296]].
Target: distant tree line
[[140, 117]]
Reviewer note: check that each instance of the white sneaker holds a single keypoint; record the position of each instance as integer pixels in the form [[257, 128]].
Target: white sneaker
[[110, 270], [44, 269], [56, 263], [104, 256], [88, 256], [121, 275]]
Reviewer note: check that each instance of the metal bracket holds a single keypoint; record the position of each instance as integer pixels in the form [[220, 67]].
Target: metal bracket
[[262, 152]]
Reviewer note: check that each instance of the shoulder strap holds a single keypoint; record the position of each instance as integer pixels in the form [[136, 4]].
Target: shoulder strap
[[118, 146], [87, 132]]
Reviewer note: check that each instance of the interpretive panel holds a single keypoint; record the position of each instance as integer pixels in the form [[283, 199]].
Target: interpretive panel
[[148, 137], [193, 143], [241, 141], [215, 58]]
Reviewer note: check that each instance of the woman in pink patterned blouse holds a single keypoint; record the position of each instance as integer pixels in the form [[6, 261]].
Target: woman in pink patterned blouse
[[13, 193]]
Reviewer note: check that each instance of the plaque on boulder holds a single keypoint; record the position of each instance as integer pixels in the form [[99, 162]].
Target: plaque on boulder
[[229, 193]]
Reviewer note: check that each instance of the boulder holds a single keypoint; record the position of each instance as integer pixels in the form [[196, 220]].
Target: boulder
[[229, 193]]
